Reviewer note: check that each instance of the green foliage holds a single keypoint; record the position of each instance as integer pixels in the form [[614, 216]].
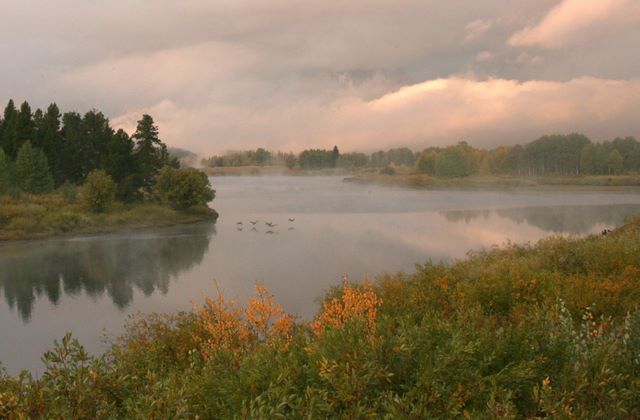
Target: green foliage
[[183, 188], [354, 160], [75, 145], [37, 216], [318, 158], [98, 191], [69, 192], [550, 330], [455, 161], [150, 153], [5, 173], [426, 163], [32, 170]]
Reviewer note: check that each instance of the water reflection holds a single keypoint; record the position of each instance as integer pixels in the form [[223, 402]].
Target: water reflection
[[577, 220], [115, 265]]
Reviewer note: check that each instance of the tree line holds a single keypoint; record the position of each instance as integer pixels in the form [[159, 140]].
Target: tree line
[[572, 154], [44, 150]]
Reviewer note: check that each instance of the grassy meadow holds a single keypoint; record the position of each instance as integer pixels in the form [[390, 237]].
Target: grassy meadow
[[532, 331]]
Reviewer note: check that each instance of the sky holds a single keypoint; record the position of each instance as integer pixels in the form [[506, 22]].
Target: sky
[[220, 75]]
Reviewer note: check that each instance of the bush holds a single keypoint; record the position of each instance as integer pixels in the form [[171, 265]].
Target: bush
[[98, 191], [183, 188]]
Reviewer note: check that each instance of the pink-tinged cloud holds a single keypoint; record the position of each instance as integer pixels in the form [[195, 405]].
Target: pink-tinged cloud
[[572, 19], [436, 112]]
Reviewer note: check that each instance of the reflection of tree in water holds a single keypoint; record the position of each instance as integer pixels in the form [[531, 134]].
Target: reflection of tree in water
[[115, 264], [573, 219], [559, 219]]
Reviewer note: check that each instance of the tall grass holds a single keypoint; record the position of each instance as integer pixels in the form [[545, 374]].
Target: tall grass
[[37, 216], [550, 330]]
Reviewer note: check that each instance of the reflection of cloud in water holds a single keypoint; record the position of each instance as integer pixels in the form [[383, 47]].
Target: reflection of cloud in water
[[576, 220], [115, 265]]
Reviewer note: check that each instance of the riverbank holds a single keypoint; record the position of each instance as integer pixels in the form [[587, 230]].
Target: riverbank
[[422, 181], [545, 330], [44, 216]]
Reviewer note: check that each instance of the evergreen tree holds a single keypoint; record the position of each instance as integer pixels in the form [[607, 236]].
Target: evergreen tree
[[9, 138], [32, 170], [5, 173], [151, 154], [26, 129], [96, 135], [335, 155], [119, 163], [70, 166], [51, 141]]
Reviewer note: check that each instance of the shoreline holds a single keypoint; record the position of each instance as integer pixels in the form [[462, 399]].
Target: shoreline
[[272, 170], [70, 222], [427, 182], [115, 231]]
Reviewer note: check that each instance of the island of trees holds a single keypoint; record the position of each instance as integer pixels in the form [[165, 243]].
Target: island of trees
[[57, 169]]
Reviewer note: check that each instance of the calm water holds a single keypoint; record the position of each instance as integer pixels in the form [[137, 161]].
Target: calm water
[[90, 285]]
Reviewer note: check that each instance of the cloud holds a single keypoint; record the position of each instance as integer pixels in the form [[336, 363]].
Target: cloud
[[483, 56], [435, 112], [571, 19], [288, 75], [476, 29]]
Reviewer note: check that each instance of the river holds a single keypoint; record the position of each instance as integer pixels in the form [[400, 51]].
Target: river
[[90, 285]]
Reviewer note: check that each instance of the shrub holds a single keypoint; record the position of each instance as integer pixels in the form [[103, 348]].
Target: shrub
[[98, 191], [183, 188]]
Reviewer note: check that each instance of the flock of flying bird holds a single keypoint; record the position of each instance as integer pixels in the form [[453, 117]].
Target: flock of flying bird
[[269, 225]]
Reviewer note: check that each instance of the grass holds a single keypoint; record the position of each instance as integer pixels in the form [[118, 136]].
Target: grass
[[422, 181], [40, 216], [545, 330]]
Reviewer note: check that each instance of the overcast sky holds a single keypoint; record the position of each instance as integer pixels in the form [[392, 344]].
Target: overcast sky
[[219, 75]]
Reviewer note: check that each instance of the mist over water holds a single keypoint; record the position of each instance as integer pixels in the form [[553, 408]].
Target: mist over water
[[90, 285]]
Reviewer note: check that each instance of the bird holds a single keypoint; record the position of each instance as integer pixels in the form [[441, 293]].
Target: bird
[[254, 229], [270, 224], [270, 232], [253, 222], [292, 228], [239, 223], [292, 220], [239, 228]]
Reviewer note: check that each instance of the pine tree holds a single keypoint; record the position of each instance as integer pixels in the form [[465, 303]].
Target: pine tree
[[26, 129], [151, 154], [32, 170], [10, 130], [120, 164], [52, 141], [70, 166], [5, 176], [335, 154]]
